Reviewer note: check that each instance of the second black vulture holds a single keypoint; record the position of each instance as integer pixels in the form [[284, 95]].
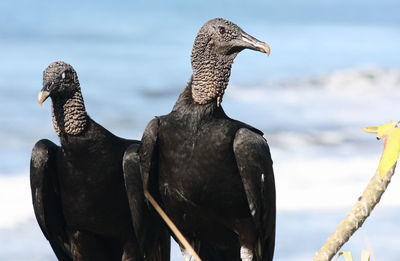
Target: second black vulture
[[213, 175], [78, 188]]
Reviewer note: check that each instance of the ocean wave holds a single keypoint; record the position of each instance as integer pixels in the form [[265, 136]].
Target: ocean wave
[[15, 199], [349, 98], [305, 181], [359, 78], [323, 138], [365, 78]]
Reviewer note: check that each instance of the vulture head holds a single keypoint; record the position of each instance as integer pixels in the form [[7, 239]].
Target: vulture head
[[59, 79]]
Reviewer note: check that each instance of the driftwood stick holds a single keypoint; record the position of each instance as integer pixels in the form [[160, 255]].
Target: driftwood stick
[[172, 226], [356, 217]]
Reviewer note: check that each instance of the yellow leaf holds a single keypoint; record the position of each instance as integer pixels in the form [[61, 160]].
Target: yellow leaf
[[391, 148], [385, 129], [390, 151], [370, 129]]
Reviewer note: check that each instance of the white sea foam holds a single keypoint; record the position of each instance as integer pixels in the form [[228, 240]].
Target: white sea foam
[[15, 200], [366, 80], [307, 183]]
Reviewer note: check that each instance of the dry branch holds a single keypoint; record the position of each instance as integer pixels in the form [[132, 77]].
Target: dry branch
[[356, 217], [172, 226]]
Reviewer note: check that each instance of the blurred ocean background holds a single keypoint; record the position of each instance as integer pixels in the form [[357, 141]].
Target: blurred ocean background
[[334, 68]]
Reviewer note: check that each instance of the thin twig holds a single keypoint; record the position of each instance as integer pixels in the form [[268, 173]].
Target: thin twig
[[172, 226]]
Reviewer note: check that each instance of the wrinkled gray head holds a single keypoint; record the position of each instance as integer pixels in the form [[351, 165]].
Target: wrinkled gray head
[[59, 79], [226, 38], [60, 82], [216, 46]]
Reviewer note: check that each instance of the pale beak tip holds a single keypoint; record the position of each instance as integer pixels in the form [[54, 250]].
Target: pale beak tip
[[42, 96], [267, 49]]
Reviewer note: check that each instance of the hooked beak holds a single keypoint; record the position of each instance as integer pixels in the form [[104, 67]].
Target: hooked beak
[[44, 93], [252, 43]]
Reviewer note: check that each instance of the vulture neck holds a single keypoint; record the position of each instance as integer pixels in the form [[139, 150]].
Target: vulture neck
[[69, 114], [211, 72], [192, 113]]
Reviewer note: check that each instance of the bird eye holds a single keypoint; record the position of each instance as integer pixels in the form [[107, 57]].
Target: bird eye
[[66, 75], [222, 30]]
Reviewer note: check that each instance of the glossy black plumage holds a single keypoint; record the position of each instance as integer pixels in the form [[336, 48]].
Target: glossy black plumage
[[46, 198], [78, 188], [213, 174], [209, 173], [152, 234]]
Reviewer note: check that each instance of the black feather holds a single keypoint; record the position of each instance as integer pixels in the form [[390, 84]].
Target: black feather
[[78, 189], [208, 167]]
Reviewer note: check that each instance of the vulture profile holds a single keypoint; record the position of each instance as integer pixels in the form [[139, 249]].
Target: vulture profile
[[213, 175], [78, 189]]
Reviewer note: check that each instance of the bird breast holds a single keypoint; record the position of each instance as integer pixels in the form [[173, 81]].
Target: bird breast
[[200, 169]]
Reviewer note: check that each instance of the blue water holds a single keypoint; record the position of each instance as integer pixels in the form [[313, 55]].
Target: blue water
[[133, 59]]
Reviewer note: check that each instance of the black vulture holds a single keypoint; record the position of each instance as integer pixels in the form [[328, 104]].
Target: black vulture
[[78, 188], [213, 175]]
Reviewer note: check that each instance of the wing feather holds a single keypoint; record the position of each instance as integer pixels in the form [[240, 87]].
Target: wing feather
[[255, 166], [152, 235], [46, 199]]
